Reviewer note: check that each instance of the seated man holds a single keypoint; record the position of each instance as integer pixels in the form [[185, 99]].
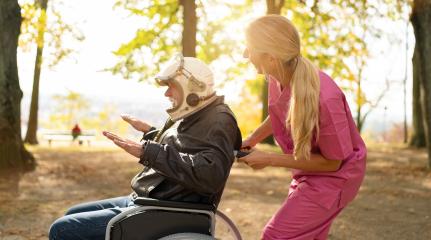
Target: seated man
[[188, 160]]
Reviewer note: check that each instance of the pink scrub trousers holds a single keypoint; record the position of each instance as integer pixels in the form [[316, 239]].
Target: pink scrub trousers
[[316, 198], [301, 217]]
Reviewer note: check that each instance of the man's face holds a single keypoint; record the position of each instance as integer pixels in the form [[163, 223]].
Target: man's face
[[174, 93]]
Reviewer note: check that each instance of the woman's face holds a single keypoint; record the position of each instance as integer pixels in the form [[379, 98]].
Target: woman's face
[[261, 61]]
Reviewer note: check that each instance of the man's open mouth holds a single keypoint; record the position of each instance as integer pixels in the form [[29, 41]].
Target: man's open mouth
[[174, 105]]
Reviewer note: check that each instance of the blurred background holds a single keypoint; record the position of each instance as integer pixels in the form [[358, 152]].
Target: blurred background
[[77, 65], [99, 58]]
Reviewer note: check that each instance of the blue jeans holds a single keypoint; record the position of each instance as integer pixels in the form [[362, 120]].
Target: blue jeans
[[88, 220]]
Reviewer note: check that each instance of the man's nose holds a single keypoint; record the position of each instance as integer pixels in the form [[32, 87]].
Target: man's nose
[[168, 92]]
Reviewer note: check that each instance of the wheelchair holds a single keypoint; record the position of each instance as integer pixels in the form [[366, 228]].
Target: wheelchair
[[168, 220], [155, 219]]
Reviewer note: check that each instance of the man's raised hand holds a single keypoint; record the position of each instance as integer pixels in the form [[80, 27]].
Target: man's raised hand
[[136, 123], [129, 146]]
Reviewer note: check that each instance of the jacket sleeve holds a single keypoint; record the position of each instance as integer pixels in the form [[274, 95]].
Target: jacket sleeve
[[207, 170], [151, 134]]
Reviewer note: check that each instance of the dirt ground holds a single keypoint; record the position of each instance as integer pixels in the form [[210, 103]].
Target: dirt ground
[[394, 201]]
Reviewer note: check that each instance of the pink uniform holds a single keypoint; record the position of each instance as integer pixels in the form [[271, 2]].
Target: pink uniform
[[316, 198]]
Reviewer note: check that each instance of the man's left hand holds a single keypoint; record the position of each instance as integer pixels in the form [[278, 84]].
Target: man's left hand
[[129, 146]]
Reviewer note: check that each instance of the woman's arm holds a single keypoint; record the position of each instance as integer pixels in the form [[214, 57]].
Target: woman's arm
[[261, 132], [317, 163]]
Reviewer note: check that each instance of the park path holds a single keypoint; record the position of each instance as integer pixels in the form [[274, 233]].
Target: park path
[[394, 201]]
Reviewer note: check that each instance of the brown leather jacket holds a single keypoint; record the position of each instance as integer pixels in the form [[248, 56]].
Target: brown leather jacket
[[193, 158]]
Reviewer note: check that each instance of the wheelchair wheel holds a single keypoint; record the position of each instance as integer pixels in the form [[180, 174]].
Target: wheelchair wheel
[[187, 236], [225, 228]]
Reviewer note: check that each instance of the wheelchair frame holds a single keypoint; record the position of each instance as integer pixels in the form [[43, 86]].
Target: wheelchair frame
[[210, 211]]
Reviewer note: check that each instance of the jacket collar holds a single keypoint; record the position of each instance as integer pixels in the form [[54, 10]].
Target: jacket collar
[[190, 120]]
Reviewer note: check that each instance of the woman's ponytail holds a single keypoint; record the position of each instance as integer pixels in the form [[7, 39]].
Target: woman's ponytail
[[303, 115]]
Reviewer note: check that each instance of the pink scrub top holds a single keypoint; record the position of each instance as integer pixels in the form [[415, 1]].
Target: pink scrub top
[[338, 139]]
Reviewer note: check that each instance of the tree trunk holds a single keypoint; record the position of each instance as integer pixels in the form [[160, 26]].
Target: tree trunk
[[359, 102], [270, 139], [12, 151], [421, 18], [189, 28], [272, 7], [418, 137], [31, 135]]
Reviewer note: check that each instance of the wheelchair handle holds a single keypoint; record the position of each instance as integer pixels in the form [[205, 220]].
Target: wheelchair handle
[[240, 154]]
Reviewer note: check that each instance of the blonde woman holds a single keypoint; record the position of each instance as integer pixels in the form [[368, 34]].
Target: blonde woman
[[310, 119]]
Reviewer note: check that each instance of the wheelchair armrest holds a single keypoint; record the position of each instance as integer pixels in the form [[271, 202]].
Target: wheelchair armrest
[[172, 204]]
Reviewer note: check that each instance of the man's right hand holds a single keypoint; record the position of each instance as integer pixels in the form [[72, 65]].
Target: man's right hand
[[136, 123]]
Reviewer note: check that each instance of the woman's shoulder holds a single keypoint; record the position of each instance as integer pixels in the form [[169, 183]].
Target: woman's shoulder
[[329, 88]]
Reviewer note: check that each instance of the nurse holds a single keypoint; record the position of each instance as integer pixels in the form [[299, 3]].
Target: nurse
[[310, 119]]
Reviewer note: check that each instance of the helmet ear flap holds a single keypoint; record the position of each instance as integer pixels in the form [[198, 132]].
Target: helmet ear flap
[[192, 99]]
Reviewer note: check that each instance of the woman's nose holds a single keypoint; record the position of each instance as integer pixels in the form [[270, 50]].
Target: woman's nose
[[245, 53]]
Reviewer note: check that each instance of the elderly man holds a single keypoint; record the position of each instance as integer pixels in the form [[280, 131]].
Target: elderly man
[[188, 160]]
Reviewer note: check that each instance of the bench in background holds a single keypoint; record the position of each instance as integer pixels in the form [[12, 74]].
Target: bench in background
[[59, 135]]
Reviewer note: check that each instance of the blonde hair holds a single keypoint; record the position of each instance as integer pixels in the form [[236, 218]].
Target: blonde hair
[[276, 36]]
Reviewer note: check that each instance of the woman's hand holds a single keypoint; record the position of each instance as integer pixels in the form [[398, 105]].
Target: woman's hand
[[248, 143], [261, 132], [256, 159], [129, 146], [136, 123]]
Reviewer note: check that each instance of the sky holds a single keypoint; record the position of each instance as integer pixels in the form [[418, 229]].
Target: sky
[[104, 31], [106, 28]]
